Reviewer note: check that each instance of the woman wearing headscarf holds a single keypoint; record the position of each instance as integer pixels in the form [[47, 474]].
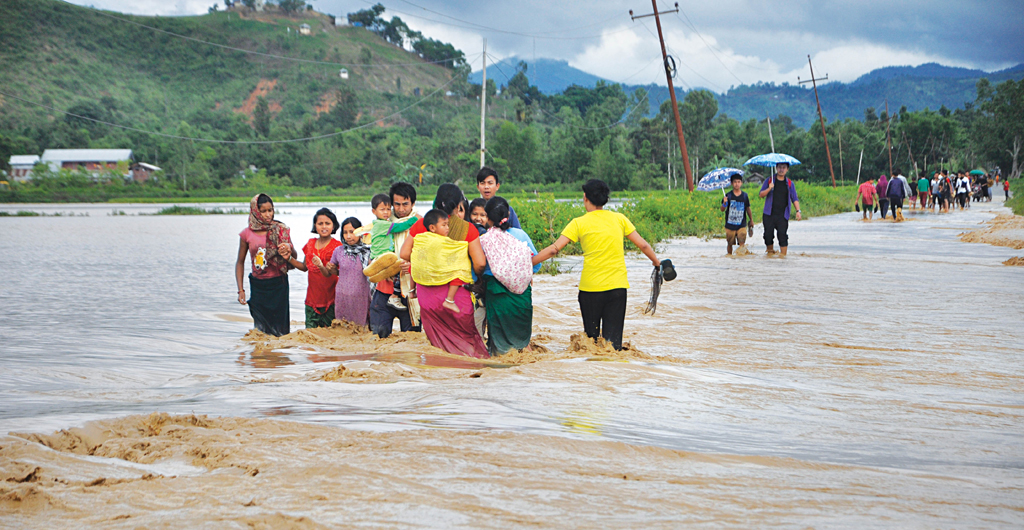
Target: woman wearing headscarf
[[269, 246], [352, 293], [507, 291], [452, 332]]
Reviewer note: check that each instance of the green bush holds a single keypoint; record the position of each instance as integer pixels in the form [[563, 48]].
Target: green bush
[[664, 215]]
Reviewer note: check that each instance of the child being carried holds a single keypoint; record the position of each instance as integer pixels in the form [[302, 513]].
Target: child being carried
[[438, 260], [382, 242]]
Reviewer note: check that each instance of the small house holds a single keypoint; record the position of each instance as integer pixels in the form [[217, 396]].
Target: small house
[[91, 160], [21, 166], [304, 29], [141, 172]]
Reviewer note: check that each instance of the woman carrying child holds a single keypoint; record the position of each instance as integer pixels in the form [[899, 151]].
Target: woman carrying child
[[352, 293], [507, 279], [452, 332], [316, 255], [271, 253]]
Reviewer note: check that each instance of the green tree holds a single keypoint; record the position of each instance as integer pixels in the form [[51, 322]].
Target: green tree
[[999, 133], [261, 117], [291, 6]]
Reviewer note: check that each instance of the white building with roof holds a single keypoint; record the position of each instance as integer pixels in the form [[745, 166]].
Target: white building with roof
[[21, 166], [91, 160]]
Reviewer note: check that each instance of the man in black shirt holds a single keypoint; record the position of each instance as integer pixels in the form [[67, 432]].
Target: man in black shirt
[[778, 192]]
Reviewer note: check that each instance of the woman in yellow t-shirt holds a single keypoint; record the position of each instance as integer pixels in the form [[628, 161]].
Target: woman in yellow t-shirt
[[603, 282]]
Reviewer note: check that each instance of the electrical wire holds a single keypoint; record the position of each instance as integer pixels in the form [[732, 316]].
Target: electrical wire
[[536, 35], [232, 142], [694, 28], [542, 111], [517, 33], [710, 48]]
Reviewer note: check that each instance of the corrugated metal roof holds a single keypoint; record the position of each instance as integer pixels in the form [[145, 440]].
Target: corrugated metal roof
[[86, 155], [24, 160]]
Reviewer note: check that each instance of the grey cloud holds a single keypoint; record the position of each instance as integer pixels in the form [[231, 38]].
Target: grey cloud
[[983, 34]]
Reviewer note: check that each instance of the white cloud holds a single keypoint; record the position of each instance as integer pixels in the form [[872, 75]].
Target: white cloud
[[700, 60], [704, 62], [847, 62], [151, 7]]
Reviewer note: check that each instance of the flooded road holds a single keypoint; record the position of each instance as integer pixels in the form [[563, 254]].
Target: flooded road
[[873, 377]]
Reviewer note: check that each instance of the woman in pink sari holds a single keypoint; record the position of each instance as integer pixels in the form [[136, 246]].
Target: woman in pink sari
[[452, 332]]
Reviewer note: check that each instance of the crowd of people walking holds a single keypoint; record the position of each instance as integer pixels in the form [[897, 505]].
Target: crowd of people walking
[[944, 190]]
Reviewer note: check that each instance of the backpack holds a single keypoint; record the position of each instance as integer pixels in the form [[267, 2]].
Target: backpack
[[510, 259]]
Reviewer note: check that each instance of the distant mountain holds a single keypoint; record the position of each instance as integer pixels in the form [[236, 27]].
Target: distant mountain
[[550, 76], [917, 87]]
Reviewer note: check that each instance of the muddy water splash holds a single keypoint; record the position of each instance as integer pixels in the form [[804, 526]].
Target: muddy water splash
[[872, 377]]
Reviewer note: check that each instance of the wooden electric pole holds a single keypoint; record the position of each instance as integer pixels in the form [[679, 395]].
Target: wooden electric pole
[[669, 67], [814, 83], [483, 107]]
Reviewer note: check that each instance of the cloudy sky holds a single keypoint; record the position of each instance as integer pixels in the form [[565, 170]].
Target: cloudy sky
[[716, 44]]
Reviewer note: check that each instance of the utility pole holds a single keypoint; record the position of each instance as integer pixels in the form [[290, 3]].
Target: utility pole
[[842, 179], [770, 136], [859, 165], [814, 83], [910, 153], [483, 106], [671, 90], [888, 139]]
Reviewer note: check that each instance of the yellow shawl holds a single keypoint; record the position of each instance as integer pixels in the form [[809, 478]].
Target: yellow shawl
[[437, 260]]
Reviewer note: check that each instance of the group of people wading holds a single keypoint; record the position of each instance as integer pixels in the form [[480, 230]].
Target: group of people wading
[[943, 190], [461, 273]]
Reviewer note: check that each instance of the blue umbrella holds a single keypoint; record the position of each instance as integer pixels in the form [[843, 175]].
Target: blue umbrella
[[770, 159], [717, 179]]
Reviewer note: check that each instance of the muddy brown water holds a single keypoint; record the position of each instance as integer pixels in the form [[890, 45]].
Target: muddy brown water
[[872, 378]]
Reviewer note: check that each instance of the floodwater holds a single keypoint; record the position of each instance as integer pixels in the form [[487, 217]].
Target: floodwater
[[872, 378]]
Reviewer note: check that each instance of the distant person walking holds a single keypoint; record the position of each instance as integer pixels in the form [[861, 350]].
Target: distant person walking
[[922, 190], [271, 254], [882, 188], [868, 195], [896, 193], [778, 192]]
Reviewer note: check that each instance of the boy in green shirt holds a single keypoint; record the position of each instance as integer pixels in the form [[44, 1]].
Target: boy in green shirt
[[381, 240]]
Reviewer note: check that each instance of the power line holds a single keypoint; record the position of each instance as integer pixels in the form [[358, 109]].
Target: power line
[[261, 54], [642, 101], [694, 28], [476, 27], [233, 142], [675, 56], [542, 111], [710, 49], [540, 35]]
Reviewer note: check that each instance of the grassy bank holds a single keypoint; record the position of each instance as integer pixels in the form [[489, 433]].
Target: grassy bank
[[669, 214]]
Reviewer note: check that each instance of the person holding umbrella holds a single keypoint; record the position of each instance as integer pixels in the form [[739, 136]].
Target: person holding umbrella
[[778, 192], [737, 207]]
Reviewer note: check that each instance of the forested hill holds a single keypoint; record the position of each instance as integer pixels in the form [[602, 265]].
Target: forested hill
[[108, 66], [930, 86]]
